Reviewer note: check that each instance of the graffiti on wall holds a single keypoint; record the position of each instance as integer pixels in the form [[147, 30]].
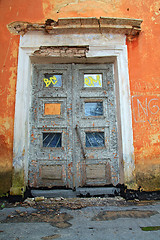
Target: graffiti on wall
[[146, 109]]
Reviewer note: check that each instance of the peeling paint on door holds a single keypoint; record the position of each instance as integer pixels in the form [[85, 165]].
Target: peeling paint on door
[[80, 149]]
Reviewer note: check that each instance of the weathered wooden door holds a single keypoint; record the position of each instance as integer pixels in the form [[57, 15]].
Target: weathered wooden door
[[73, 126]]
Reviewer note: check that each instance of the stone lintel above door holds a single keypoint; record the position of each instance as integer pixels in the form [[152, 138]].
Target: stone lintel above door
[[129, 27]]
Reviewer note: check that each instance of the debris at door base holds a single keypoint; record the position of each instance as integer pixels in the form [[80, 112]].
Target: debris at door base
[[128, 194], [105, 192]]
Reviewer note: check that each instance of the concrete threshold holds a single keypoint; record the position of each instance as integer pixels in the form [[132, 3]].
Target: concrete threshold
[[83, 192]]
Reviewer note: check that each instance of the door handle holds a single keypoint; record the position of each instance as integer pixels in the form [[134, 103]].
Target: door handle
[[81, 143]]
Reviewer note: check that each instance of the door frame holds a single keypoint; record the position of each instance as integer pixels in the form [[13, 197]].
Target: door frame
[[105, 48]]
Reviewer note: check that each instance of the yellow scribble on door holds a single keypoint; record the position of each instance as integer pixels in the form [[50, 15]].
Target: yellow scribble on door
[[90, 81], [52, 80]]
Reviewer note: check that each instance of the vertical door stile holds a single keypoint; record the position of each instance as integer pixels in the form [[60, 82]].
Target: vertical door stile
[[69, 123], [74, 93]]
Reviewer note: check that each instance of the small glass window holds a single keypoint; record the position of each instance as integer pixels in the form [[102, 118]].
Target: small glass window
[[93, 108], [95, 139], [93, 80], [52, 80], [52, 140]]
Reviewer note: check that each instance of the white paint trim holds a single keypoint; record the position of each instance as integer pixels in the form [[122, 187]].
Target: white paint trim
[[100, 45], [22, 108]]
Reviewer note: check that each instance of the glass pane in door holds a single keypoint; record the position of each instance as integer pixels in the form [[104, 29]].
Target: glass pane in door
[[95, 139], [93, 108]]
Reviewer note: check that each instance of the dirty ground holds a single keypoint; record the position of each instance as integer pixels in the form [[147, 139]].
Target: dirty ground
[[79, 218]]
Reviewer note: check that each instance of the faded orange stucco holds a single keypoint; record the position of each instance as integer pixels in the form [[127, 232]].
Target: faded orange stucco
[[144, 74]]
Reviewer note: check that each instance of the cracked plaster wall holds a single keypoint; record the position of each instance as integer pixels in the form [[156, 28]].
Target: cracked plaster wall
[[144, 73]]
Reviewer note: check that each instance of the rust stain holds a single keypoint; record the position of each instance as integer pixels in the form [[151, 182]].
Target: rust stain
[[33, 138], [23, 152], [70, 165], [91, 156]]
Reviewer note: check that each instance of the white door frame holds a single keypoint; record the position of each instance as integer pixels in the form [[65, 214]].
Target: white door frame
[[111, 47]]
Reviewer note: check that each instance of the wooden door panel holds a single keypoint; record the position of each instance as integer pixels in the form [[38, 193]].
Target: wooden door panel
[[98, 173], [51, 133], [53, 175], [100, 164]]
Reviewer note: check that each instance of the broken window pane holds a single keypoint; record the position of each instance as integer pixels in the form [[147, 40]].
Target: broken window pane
[[52, 80], [92, 80], [95, 139], [52, 140], [93, 108]]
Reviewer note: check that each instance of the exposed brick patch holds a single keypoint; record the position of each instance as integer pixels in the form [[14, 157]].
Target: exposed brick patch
[[62, 51]]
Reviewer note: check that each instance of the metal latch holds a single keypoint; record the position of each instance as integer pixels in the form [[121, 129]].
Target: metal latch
[[80, 139]]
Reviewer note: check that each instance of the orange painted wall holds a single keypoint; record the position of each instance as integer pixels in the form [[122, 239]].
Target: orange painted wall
[[144, 73]]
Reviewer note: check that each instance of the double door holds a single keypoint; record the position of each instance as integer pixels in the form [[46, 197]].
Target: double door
[[73, 137]]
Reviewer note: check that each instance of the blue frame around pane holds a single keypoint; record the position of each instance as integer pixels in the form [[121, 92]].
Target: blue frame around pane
[[52, 140]]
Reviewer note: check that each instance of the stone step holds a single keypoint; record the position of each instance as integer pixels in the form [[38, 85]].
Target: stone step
[[86, 192]]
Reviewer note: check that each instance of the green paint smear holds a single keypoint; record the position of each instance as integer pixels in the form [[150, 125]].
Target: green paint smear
[[154, 228]]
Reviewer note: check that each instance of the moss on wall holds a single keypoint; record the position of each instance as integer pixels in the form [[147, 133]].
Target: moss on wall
[[148, 177], [18, 185], [5, 182]]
